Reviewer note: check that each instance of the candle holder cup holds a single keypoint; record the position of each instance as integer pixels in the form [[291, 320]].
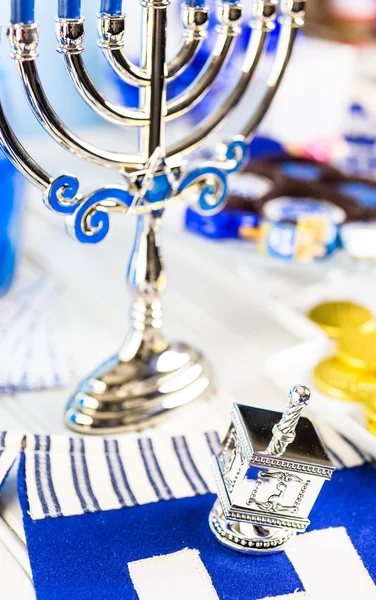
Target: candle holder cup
[[148, 377]]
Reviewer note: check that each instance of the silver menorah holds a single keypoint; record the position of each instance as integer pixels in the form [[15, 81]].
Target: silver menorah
[[148, 377]]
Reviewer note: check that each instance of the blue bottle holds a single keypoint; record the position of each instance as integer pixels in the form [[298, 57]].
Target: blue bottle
[[360, 136], [11, 199]]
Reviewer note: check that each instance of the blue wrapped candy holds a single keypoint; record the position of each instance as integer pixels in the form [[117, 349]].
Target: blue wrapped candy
[[300, 229]]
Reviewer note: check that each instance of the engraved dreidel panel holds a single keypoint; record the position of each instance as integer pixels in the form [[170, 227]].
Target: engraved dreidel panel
[[269, 472]]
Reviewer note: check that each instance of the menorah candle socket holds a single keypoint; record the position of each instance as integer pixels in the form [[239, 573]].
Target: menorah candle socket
[[269, 472]]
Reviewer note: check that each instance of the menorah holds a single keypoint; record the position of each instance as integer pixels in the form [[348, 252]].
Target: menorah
[[148, 377]]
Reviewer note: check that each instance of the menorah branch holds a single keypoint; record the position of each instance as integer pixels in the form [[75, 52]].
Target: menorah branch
[[195, 25], [20, 158], [54, 126], [263, 20], [229, 17], [291, 20], [111, 31], [70, 34], [183, 59]]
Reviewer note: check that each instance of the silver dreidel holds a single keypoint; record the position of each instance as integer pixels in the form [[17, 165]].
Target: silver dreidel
[[269, 472]]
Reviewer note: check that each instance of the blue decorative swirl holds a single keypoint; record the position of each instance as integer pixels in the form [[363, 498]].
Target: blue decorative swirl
[[62, 196], [91, 222], [238, 151], [89, 219], [212, 193]]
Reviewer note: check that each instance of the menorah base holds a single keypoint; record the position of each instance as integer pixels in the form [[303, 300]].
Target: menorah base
[[248, 538], [132, 395]]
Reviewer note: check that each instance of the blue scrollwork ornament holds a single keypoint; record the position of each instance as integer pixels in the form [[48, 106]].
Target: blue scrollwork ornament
[[90, 223], [237, 154], [63, 195], [212, 188], [88, 217]]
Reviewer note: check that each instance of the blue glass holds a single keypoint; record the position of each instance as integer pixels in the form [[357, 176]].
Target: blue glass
[[22, 11], [10, 222], [69, 9], [111, 7]]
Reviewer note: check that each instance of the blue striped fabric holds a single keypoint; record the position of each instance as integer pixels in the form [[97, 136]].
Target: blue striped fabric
[[188, 465], [153, 470], [118, 475], [81, 478], [43, 477], [73, 476], [67, 476]]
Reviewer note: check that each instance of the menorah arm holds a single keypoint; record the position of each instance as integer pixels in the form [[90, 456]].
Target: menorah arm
[[55, 127], [195, 23], [282, 58], [183, 58], [261, 25], [111, 30], [104, 107], [70, 34], [124, 68], [291, 20], [229, 16], [20, 158]]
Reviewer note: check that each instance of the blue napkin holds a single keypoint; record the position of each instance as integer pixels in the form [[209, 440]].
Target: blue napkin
[[90, 554]]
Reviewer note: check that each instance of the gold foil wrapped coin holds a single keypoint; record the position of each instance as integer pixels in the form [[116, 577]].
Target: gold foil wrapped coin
[[357, 350], [336, 317], [370, 408], [335, 379], [372, 425]]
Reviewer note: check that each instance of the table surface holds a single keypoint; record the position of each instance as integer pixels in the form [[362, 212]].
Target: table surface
[[216, 300]]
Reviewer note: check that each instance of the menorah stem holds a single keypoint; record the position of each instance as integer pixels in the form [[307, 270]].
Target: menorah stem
[[148, 377], [147, 277], [153, 98]]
